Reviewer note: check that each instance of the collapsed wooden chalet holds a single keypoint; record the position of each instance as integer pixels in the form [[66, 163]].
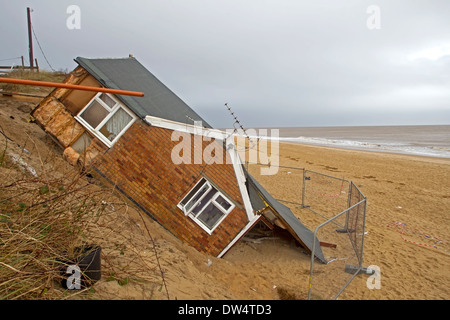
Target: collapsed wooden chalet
[[129, 141]]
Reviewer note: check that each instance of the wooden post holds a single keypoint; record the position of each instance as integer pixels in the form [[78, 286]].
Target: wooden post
[[30, 38]]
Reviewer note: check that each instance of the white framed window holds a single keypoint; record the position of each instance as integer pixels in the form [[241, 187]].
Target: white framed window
[[206, 205], [106, 118]]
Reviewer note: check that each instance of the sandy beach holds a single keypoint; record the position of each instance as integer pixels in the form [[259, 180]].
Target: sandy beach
[[408, 212]]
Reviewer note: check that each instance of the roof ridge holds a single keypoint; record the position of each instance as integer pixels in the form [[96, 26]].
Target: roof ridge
[[130, 74]]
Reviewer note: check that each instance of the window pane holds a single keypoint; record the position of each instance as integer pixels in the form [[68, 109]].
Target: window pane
[[223, 203], [204, 201], [107, 99], [192, 192], [210, 215], [82, 143], [116, 124], [94, 114], [202, 191]]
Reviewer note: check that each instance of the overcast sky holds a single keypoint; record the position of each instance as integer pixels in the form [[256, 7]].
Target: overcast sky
[[275, 62]]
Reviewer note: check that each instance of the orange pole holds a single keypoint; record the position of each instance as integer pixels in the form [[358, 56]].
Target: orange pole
[[70, 86]]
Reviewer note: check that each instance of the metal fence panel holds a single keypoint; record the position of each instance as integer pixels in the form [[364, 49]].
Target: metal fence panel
[[335, 209], [343, 234]]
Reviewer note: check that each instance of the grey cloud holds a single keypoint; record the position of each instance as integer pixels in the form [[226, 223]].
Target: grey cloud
[[277, 63]]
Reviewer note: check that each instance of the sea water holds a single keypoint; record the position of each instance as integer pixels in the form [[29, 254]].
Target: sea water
[[424, 140]]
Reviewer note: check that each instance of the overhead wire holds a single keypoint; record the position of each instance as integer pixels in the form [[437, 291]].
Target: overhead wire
[[11, 59], [40, 47]]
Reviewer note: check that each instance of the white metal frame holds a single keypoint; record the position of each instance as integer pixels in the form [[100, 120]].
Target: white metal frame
[[96, 131], [212, 200]]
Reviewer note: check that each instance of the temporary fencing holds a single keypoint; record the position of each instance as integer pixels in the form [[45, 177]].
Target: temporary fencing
[[335, 210]]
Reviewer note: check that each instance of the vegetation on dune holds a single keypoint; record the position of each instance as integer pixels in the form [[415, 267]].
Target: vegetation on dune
[[32, 75]]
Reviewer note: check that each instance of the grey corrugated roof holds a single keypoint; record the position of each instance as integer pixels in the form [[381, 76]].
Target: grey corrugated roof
[[256, 191], [130, 74]]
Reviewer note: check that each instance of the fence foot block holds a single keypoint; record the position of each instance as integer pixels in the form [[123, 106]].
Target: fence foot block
[[345, 230], [352, 269]]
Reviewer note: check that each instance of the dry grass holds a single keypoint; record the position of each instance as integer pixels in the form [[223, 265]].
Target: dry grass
[[45, 217], [41, 222], [32, 75]]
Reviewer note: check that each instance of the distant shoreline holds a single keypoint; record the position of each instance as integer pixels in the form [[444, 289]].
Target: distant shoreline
[[418, 140], [387, 153]]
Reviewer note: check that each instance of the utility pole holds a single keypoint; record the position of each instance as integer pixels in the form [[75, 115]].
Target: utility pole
[[30, 38]]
